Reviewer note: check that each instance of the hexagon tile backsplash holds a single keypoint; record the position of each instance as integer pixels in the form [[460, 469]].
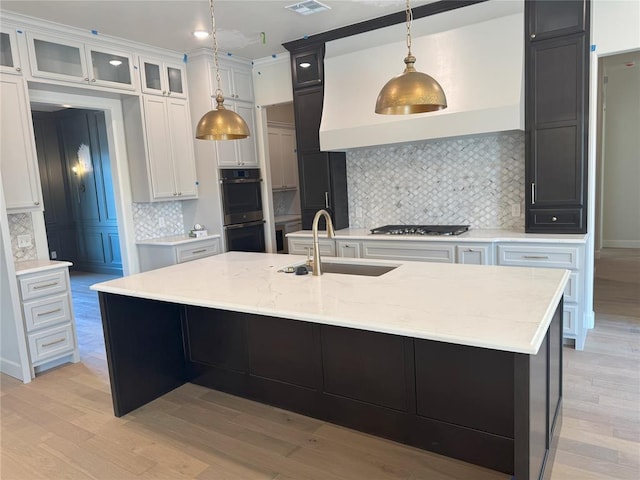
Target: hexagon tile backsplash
[[469, 180], [21, 224]]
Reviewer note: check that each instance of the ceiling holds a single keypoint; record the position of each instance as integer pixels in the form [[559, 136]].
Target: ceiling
[[239, 23]]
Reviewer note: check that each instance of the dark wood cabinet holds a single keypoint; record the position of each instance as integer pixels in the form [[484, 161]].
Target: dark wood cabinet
[[556, 91], [323, 175], [323, 185], [371, 377], [308, 113], [307, 67], [546, 18], [284, 350]]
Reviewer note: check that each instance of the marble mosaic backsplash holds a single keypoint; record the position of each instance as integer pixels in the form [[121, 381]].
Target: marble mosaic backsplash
[[469, 180], [286, 202], [161, 219], [21, 224]]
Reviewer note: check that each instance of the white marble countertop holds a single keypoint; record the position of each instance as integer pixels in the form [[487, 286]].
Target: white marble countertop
[[502, 308], [34, 266], [473, 235], [175, 239], [287, 218]]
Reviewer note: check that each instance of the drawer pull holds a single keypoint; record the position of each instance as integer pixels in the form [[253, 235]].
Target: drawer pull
[[199, 251], [45, 285], [554, 219], [536, 257], [60, 340], [42, 314]]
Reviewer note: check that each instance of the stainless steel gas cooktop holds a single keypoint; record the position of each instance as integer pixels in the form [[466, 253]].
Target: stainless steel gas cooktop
[[420, 230]]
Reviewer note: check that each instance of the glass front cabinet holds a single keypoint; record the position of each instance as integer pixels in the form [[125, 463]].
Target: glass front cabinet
[[78, 62], [162, 78], [9, 59]]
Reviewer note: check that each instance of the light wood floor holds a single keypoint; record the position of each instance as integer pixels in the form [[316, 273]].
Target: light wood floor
[[61, 426]]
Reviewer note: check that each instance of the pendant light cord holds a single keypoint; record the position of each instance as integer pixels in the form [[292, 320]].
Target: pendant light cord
[[409, 22], [215, 48]]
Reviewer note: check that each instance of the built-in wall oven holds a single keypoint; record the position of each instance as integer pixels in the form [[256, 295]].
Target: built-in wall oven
[[242, 209]]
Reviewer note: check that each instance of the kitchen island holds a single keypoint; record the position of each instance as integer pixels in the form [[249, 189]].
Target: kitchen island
[[462, 360]]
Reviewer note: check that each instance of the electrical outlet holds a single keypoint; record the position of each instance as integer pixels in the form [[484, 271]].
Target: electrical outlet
[[515, 210], [54, 254], [161, 222], [24, 241]]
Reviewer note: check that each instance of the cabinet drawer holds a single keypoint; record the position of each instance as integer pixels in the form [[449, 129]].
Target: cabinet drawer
[[570, 315], [301, 246], [186, 253], [553, 220], [39, 285], [408, 251], [49, 343], [534, 256], [47, 311]]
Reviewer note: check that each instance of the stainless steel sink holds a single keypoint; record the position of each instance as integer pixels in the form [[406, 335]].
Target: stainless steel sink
[[351, 268]]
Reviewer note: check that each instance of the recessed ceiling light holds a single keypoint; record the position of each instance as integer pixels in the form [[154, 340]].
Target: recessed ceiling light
[[305, 65], [201, 34], [308, 7], [115, 63]]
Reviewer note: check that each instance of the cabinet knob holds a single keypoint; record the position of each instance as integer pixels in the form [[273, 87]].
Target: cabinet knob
[[86, 79], [93, 79], [175, 193], [179, 193], [18, 69], [554, 219], [533, 35], [36, 203]]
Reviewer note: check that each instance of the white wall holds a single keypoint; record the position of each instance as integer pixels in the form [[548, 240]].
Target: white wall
[[621, 156], [272, 80]]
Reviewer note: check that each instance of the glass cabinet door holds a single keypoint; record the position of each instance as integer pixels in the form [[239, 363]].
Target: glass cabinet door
[[160, 78], [9, 61], [51, 58], [175, 81], [111, 69]]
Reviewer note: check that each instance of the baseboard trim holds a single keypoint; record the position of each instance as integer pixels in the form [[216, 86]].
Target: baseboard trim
[[621, 243], [12, 369]]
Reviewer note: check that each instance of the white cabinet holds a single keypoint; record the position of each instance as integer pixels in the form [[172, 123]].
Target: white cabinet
[[63, 60], [170, 154], [236, 82], [18, 158], [9, 56], [401, 250], [570, 257], [304, 246], [235, 153], [48, 316], [348, 249], [158, 253], [159, 77], [474, 253], [283, 159]]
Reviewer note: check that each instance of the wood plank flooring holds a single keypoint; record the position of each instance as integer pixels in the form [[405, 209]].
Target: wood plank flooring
[[61, 426]]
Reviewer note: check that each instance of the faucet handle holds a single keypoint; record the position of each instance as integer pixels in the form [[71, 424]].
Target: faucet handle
[[309, 263]]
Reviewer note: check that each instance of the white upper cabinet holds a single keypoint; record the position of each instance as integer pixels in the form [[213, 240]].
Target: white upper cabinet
[[239, 153], [71, 61], [163, 78], [236, 82], [9, 56], [282, 158], [18, 159], [170, 155]]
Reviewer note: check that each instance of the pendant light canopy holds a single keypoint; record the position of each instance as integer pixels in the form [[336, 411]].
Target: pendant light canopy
[[411, 91], [220, 123]]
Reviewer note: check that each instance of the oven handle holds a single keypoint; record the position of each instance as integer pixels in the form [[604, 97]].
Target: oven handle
[[242, 180], [243, 225]]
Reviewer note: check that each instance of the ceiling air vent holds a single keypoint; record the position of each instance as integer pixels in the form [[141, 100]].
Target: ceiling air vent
[[308, 7]]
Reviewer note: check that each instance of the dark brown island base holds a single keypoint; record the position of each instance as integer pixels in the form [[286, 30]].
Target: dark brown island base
[[498, 409]]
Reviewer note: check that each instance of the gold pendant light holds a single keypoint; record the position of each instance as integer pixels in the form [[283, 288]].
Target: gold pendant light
[[220, 124], [411, 91]]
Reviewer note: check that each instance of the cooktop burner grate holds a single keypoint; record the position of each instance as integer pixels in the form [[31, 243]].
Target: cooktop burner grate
[[420, 230]]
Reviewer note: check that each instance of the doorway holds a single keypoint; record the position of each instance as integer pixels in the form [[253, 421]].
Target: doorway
[[617, 239], [75, 169]]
